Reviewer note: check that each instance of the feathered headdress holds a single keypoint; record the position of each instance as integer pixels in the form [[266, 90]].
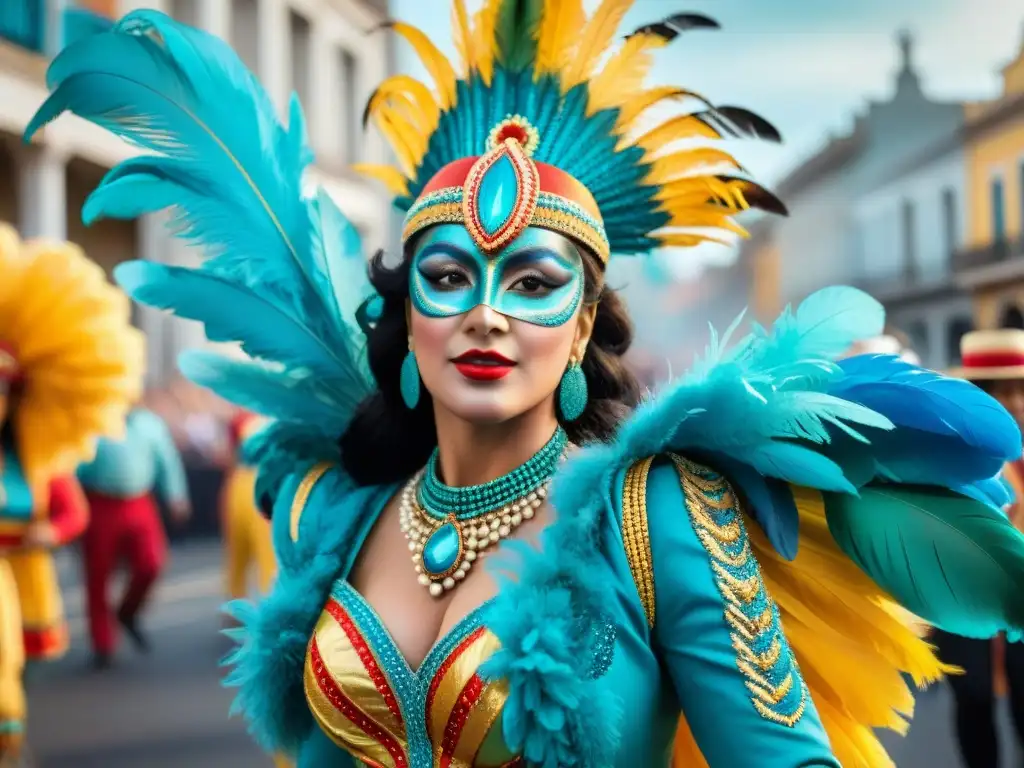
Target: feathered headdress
[[66, 337], [546, 114]]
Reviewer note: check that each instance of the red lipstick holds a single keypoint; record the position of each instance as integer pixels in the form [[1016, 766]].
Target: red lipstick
[[483, 365]]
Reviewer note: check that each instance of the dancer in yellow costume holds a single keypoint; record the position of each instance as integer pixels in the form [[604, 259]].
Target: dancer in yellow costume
[[70, 366], [246, 532]]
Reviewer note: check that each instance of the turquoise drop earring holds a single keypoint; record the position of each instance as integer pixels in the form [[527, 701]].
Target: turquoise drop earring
[[572, 391], [409, 381]]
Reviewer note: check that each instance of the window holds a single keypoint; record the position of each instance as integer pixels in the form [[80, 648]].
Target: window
[[245, 32], [908, 234], [1012, 317], [350, 107], [998, 211], [949, 227], [300, 33]]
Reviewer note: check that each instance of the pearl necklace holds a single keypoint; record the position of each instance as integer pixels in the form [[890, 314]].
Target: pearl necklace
[[443, 550]]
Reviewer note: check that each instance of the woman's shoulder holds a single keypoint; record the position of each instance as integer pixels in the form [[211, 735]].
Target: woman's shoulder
[[319, 509], [672, 511]]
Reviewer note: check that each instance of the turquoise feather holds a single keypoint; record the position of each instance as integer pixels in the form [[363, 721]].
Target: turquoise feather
[[230, 170], [955, 562], [232, 313], [283, 275], [295, 395]]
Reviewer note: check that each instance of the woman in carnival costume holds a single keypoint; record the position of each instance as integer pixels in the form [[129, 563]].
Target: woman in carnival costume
[[70, 367], [712, 572]]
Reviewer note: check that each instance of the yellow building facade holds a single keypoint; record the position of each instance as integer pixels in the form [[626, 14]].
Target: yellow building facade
[[992, 266]]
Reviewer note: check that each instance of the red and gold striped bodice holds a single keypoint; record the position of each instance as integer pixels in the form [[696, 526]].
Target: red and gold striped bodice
[[369, 701]]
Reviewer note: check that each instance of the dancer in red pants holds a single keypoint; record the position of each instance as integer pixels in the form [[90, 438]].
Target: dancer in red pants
[[125, 523]]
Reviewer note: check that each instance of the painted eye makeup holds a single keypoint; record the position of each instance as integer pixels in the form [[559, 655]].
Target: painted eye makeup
[[445, 271]]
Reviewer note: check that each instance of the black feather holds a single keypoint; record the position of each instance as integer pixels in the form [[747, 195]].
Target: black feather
[[756, 196], [739, 123], [366, 107], [670, 28]]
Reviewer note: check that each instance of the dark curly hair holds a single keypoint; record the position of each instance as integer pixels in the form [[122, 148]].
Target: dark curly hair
[[387, 442]]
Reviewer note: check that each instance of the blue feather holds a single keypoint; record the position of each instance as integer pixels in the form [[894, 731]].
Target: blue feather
[[770, 502], [824, 326], [232, 172], [928, 402], [233, 313], [294, 395], [996, 492]]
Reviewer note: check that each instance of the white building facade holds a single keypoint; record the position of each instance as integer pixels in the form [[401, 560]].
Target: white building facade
[[907, 231], [321, 49]]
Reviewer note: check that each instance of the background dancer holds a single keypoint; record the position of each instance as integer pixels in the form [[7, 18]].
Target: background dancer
[[120, 484]]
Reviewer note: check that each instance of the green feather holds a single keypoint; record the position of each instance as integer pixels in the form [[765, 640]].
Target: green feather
[[516, 33], [953, 561]]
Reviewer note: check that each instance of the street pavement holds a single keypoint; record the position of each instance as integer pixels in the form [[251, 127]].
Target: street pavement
[[168, 710]]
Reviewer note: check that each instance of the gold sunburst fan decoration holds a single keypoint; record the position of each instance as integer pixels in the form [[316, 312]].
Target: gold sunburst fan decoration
[[79, 362]]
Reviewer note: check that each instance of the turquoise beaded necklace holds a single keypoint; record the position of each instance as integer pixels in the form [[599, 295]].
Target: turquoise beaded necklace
[[448, 527], [441, 501]]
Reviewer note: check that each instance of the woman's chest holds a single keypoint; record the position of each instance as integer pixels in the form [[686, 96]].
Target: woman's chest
[[370, 702]]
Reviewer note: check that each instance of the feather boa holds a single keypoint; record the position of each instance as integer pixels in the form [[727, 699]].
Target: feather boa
[[772, 408]]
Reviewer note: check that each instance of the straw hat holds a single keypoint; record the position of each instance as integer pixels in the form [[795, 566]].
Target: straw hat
[[883, 345], [987, 355]]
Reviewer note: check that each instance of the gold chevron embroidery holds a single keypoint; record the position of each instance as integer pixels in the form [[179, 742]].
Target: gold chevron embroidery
[[301, 497], [635, 535], [763, 656]]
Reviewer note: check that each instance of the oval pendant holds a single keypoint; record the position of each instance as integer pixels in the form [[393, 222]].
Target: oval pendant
[[442, 551]]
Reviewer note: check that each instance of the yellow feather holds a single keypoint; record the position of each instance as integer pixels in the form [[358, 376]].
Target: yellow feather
[[849, 639], [434, 61], [687, 239], [484, 40], [82, 360], [415, 93], [686, 162], [402, 138], [673, 129], [560, 25], [623, 74], [638, 103], [388, 175], [401, 110], [594, 40], [690, 215], [698, 189], [463, 37]]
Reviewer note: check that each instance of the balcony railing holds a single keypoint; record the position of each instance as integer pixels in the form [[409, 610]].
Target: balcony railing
[[23, 22], [986, 255]]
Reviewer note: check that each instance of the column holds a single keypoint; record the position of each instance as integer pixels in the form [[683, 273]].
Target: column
[[274, 46], [215, 17], [42, 193]]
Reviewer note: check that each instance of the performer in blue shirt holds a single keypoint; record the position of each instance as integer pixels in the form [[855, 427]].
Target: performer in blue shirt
[[119, 484]]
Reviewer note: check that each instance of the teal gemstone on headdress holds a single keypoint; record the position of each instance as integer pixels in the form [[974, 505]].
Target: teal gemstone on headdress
[[441, 551], [496, 198]]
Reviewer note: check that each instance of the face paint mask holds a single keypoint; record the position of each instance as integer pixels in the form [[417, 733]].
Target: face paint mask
[[538, 278]]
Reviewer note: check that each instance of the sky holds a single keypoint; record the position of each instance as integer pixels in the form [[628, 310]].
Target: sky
[[806, 65]]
